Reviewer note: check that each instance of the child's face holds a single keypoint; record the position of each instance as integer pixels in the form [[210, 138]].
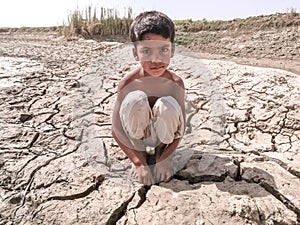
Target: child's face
[[154, 53]]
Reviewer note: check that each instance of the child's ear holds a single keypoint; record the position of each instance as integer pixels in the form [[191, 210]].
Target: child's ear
[[134, 52], [173, 50]]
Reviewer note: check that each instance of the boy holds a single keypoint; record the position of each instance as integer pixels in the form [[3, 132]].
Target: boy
[[149, 116]]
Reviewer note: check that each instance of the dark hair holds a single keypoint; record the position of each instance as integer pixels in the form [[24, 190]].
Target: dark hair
[[151, 22]]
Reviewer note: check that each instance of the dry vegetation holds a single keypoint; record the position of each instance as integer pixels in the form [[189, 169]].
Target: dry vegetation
[[104, 22], [263, 22], [93, 23], [201, 32], [90, 23]]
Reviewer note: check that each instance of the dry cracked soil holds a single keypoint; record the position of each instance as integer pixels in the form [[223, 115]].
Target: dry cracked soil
[[238, 162]]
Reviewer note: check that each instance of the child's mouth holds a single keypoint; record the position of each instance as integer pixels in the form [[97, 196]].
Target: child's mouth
[[156, 67]]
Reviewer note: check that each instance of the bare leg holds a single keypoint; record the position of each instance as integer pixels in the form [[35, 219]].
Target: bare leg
[[163, 170], [159, 150], [143, 172]]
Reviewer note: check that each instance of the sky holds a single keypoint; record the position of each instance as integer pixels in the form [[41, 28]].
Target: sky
[[41, 13]]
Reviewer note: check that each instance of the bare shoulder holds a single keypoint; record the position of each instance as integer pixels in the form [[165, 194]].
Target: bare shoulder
[[177, 79], [128, 78]]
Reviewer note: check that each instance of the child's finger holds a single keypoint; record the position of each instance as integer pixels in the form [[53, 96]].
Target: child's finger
[[157, 174], [168, 177], [149, 180], [160, 176]]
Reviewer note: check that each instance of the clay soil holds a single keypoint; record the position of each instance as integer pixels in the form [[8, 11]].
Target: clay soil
[[238, 163]]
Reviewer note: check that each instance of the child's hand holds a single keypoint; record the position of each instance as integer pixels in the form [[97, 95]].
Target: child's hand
[[164, 170], [144, 175]]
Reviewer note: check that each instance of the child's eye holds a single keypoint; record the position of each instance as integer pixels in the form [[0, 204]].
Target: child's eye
[[146, 51], [164, 49]]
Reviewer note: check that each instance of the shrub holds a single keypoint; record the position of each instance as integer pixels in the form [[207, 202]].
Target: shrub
[[88, 24]]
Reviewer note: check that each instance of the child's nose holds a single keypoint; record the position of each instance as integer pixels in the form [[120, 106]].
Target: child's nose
[[157, 57]]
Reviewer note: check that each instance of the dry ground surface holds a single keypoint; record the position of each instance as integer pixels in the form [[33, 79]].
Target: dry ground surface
[[238, 163]]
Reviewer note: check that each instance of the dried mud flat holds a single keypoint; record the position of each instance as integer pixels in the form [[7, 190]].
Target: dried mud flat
[[60, 165]]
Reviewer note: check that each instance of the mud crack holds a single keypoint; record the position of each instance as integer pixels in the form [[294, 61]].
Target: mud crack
[[269, 188], [95, 186], [119, 212], [123, 208]]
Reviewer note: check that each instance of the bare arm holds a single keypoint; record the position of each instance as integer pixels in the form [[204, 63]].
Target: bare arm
[[169, 150], [164, 165], [118, 132], [180, 98]]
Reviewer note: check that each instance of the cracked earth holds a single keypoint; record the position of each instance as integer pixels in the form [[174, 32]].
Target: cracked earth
[[238, 163]]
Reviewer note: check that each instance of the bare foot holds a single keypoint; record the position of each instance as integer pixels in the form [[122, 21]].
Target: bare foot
[[144, 175], [164, 170]]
